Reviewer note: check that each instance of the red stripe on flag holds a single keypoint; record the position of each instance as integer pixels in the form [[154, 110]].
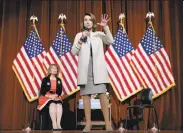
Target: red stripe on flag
[[41, 65], [115, 73], [26, 78], [64, 90], [47, 61], [70, 64], [160, 75], [120, 69], [22, 81], [36, 69], [149, 68], [29, 68], [139, 73], [43, 54], [163, 68], [68, 73], [112, 81], [25, 61], [162, 51], [74, 58], [129, 75], [52, 55], [65, 81], [144, 71]]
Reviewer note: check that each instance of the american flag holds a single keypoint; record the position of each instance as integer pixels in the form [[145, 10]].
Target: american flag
[[123, 79], [152, 63], [28, 66], [60, 54]]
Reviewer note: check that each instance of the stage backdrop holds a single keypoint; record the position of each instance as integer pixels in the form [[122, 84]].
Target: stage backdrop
[[16, 111]]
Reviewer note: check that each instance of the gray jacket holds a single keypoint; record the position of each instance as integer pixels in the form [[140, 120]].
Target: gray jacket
[[83, 51]]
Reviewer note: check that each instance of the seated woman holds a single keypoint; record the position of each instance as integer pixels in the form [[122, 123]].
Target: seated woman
[[50, 96]]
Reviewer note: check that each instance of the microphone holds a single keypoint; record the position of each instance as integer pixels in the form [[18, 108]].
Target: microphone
[[88, 35]]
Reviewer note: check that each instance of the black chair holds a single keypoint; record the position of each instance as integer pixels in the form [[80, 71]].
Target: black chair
[[44, 119], [146, 101]]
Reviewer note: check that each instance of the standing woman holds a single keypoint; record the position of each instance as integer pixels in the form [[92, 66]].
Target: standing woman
[[50, 96], [92, 72]]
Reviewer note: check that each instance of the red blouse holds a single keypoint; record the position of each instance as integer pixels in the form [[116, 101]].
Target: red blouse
[[53, 85]]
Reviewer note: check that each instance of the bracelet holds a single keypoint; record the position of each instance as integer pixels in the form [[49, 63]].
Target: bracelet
[[79, 42]]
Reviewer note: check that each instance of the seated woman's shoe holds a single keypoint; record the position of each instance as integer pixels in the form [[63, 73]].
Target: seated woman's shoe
[[60, 129]]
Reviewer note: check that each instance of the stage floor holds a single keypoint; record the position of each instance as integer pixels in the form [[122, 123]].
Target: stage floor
[[93, 131]]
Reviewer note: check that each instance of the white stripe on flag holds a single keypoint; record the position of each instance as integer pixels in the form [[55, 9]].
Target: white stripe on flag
[[27, 87], [28, 73], [69, 69], [116, 84], [56, 58], [72, 61], [117, 72], [165, 67], [152, 75], [136, 65]]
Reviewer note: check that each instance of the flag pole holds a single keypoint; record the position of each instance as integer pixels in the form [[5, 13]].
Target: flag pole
[[134, 68], [61, 19], [122, 21], [34, 19], [150, 15], [121, 18]]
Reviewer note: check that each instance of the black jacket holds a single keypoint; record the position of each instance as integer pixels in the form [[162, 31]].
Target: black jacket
[[46, 86]]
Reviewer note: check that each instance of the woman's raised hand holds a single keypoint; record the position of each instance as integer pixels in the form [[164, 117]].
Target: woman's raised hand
[[104, 20]]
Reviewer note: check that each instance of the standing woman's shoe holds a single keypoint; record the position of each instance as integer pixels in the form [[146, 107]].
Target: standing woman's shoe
[[87, 129], [109, 130]]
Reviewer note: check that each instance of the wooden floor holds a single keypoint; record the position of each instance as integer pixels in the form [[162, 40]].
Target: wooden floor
[[93, 131]]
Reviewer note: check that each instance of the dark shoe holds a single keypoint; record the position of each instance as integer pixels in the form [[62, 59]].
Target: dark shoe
[[60, 129], [54, 129]]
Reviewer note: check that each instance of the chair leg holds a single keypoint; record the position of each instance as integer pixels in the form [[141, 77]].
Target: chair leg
[[148, 119], [41, 122], [137, 122], [126, 119], [33, 120], [156, 118], [76, 115], [143, 117]]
